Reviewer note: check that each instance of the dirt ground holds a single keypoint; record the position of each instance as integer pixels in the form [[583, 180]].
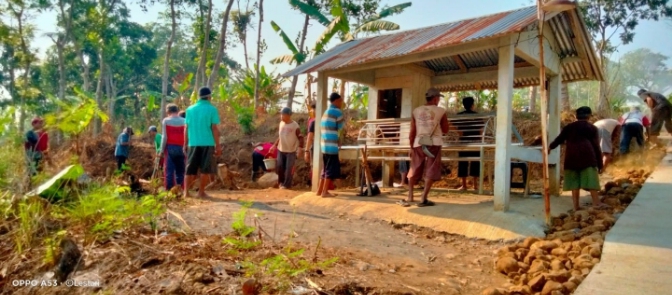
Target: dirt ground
[[387, 257]]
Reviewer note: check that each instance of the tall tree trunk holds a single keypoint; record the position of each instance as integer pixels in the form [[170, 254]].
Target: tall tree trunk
[[295, 79], [214, 74], [166, 60], [533, 99], [111, 94], [99, 92], [26, 70], [603, 100], [86, 81], [200, 72], [256, 80], [60, 44], [565, 99]]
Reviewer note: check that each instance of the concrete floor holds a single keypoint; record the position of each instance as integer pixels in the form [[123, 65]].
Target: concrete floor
[[459, 213], [637, 253]]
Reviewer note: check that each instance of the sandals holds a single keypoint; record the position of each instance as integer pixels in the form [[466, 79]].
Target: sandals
[[403, 203], [426, 203]]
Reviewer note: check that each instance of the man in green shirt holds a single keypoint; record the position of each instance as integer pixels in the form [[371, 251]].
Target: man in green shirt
[[153, 132], [201, 141]]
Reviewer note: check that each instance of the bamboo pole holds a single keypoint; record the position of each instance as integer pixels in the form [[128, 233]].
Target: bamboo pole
[[544, 115]]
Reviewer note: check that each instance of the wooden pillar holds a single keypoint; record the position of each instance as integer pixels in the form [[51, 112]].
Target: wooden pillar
[[554, 116], [320, 107], [502, 186]]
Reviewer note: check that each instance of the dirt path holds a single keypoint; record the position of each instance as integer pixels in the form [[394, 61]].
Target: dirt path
[[400, 258]]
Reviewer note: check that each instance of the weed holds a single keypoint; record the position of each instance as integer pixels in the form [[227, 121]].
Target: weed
[[52, 245], [29, 214], [239, 225]]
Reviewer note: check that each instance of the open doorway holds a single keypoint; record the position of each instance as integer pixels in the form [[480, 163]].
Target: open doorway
[[389, 103]]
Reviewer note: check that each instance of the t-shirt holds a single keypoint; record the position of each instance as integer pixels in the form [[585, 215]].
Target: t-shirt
[[607, 124], [173, 128], [635, 117], [200, 118], [428, 118], [157, 142], [582, 146], [470, 129], [332, 123], [289, 142], [122, 150], [264, 148], [660, 101], [36, 141]]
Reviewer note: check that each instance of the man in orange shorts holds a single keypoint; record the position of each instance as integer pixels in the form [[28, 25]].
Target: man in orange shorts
[[426, 141]]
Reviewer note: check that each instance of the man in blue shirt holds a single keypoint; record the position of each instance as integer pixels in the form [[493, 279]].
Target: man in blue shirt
[[332, 123], [122, 147], [201, 141]]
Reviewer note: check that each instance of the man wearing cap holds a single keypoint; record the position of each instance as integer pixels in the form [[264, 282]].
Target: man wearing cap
[[171, 148], [122, 147], [36, 145], [426, 141], [332, 123], [583, 157], [201, 141], [289, 144], [661, 113]]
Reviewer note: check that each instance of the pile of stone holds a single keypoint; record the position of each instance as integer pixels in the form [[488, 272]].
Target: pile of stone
[[557, 264]]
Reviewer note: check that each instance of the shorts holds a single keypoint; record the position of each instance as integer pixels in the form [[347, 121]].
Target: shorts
[[661, 115], [403, 167], [605, 141], [332, 167], [201, 159], [469, 168], [587, 179], [422, 163]]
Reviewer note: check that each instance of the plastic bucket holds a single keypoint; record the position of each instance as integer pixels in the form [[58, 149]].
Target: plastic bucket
[[269, 163]]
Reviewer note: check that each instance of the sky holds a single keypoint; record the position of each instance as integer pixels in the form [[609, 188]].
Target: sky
[[654, 35]]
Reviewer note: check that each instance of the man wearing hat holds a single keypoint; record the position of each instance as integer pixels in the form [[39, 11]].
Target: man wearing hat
[[123, 145], [661, 113], [583, 157], [426, 141], [201, 141], [332, 123], [289, 144], [36, 145]]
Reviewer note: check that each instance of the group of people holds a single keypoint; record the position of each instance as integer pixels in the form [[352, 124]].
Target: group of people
[[188, 146], [290, 145]]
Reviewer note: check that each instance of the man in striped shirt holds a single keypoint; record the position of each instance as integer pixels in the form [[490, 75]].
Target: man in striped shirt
[[332, 123]]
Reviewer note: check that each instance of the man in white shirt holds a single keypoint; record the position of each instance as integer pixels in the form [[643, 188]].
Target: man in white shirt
[[288, 144], [608, 130], [633, 123]]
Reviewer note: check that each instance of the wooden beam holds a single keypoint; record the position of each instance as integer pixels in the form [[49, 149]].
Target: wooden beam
[[420, 70], [528, 49], [362, 77], [458, 60], [522, 64], [554, 118], [478, 77], [473, 46], [573, 59], [580, 45]]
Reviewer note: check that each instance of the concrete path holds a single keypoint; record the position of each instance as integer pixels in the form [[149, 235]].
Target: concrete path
[[637, 253], [459, 213]]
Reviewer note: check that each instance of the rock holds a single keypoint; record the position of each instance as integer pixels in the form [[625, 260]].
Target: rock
[[539, 266], [572, 254], [581, 215], [585, 271], [171, 284], [521, 253], [559, 252], [601, 222], [558, 276], [363, 266], [544, 245], [493, 291], [268, 180], [593, 228], [569, 286], [70, 257], [537, 283], [557, 265], [626, 198], [571, 225], [527, 243], [523, 267], [251, 287], [613, 202], [568, 264], [551, 286], [557, 292], [451, 291], [520, 290], [593, 250], [609, 185], [507, 251], [506, 265], [615, 191], [576, 280]]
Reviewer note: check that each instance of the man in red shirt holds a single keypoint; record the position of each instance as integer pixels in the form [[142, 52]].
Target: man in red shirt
[[171, 148], [36, 144], [634, 123], [261, 151]]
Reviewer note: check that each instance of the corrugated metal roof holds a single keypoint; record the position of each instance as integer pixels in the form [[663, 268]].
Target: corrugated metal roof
[[567, 28], [418, 40]]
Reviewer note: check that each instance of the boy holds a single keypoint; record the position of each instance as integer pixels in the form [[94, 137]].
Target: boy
[[331, 124], [289, 144], [36, 145], [123, 145], [171, 148], [583, 157]]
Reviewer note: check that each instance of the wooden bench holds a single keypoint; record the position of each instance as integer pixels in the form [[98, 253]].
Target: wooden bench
[[387, 140]]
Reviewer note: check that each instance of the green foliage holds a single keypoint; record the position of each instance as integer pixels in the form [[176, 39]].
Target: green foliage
[[52, 244], [29, 213], [242, 240], [54, 189], [74, 119]]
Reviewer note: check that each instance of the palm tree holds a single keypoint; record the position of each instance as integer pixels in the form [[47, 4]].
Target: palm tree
[[242, 21]]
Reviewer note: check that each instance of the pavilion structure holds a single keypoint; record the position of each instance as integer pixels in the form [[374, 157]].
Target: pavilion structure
[[499, 51]]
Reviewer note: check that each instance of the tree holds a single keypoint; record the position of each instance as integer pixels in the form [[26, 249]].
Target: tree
[[221, 46], [259, 49], [166, 60], [604, 18], [242, 21], [643, 68], [205, 44]]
